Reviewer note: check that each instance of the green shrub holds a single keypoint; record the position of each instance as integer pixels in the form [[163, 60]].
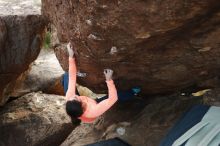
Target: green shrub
[[47, 40]]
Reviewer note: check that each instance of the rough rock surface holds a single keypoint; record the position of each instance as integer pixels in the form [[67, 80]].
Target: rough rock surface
[[3, 34], [212, 97], [35, 119], [20, 45], [161, 46], [141, 128]]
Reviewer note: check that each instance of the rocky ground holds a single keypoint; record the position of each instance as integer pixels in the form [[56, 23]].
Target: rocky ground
[[20, 7]]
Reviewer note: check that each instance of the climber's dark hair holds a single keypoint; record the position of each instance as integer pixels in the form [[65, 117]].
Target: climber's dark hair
[[74, 110]]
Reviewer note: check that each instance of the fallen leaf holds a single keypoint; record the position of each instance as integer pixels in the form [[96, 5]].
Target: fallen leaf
[[200, 93]]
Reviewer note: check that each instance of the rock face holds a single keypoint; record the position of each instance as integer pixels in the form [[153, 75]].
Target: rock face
[[161, 46], [20, 43], [35, 119], [3, 34]]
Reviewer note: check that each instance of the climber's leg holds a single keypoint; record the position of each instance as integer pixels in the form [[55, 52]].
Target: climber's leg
[[65, 81]]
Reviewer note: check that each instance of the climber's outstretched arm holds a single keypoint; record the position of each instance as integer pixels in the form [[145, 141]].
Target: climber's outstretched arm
[[71, 92], [104, 105]]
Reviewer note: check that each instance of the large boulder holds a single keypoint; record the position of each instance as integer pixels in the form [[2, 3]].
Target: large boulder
[[35, 119], [20, 45], [162, 46]]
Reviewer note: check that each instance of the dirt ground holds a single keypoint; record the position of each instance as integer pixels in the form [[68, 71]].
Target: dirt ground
[[20, 7]]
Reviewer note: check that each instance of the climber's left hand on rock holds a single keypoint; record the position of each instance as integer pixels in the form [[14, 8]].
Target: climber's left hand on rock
[[70, 50]]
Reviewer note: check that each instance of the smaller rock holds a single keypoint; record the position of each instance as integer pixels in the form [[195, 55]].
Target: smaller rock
[[120, 131], [205, 49], [183, 94], [18, 49], [93, 37], [113, 50], [34, 119], [143, 35], [89, 22], [104, 6], [80, 74]]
